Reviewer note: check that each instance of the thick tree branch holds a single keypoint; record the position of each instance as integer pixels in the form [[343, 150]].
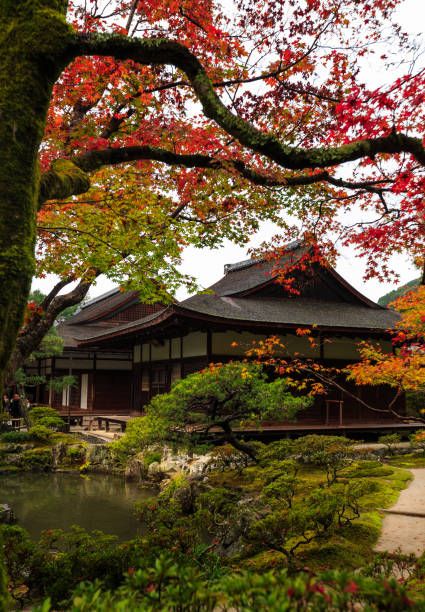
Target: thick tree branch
[[94, 160], [33, 333], [388, 410], [54, 292], [63, 180], [161, 51]]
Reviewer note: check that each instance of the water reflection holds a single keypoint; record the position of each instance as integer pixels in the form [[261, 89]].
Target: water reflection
[[59, 500]]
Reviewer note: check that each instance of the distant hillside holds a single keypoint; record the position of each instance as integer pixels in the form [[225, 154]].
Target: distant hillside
[[392, 295]]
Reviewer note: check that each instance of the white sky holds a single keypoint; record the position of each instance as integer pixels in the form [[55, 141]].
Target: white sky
[[207, 266]]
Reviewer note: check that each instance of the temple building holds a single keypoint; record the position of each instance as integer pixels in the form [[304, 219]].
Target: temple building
[[103, 378], [123, 352]]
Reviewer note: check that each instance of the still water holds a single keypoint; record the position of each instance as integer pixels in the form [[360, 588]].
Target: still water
[[59, 500]]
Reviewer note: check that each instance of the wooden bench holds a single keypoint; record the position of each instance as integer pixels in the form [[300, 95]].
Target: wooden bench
[[108, 420]]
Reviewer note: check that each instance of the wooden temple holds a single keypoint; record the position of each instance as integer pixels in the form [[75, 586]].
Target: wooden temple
[[123, 352]]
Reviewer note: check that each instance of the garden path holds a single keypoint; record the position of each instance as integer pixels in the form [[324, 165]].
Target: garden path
[[403, 528]]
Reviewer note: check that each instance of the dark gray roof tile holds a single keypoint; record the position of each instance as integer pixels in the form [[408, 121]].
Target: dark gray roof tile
[[246, 275], [103, 305], [292, 311]]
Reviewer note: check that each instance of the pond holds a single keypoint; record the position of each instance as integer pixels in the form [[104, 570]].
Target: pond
[[59, 500]]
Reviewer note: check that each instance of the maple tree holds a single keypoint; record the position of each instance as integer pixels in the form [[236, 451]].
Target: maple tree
[[130, 115], [404, 369]]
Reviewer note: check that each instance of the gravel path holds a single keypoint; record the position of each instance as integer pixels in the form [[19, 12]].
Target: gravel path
[[401, 531]]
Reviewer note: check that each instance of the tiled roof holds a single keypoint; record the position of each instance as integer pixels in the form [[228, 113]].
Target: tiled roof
[[99, 316], [292, 311], [103, 305], [72, 335], [246, 275], [264, 312], [225, 304], [98, 331]]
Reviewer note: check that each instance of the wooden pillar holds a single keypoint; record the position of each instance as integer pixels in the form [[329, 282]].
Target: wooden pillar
[[37, 387], [209, 346], [93, 383], [150, 372], [52, 394], [181, 357]]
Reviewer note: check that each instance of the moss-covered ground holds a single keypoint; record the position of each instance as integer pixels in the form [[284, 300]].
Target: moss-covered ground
[[352, 546], [412, 460]]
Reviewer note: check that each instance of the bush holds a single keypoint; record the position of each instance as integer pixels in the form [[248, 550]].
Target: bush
[[40, 433], [37, 459], [168, 585], [47, 417], [16, 437], [75, 454], [417, 440], [390, 441], [281, 482], [54, 566], [276, 451], [331, 453], [314, 517]]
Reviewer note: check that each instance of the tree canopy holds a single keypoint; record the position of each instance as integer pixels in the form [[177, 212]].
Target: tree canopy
[[130, 129], [404, 368], [220, 398]]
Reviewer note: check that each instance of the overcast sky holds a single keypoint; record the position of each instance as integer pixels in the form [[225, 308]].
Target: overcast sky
[[207, 265]]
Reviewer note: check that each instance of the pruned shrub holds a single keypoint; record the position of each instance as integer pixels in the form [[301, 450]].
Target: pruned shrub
[[47, 417], [40, 433], [316, 517], [276, 451], [226, 457], [390, 442], [16, 437], [330, 453]]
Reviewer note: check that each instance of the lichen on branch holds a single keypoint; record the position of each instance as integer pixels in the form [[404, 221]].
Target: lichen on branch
[[63, 180]]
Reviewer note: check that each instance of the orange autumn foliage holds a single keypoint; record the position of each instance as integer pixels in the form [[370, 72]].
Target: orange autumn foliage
[[404, 369]]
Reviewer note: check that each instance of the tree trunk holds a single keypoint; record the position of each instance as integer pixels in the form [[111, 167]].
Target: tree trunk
[[238, 444], [31, 336], [34, 38]]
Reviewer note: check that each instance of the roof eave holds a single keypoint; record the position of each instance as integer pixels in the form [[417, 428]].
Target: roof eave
[[187, 314]]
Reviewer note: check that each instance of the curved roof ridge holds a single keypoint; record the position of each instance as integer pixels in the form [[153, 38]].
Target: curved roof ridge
[[246, 263], [100, 297]]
